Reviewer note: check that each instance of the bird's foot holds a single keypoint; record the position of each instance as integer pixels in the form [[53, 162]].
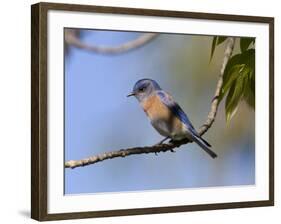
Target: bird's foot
[[161, 142], [172, 141]]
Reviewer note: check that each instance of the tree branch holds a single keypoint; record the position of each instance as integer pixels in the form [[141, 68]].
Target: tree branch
[[71, 38], [168, 146]]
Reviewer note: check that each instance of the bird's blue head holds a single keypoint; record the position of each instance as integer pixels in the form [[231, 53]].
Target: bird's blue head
[[144, 88]]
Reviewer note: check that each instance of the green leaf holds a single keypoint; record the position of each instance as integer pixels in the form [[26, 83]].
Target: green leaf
[[245, 43], [230, 77], [249, 92], [249, 89], [214, 43], [234, 96], [245, 60], [217, 40], [239, 82], [230, 73], [229, 111], [246, 57]]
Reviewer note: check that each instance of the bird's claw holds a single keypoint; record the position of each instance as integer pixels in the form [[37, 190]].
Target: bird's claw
[[172, 141]]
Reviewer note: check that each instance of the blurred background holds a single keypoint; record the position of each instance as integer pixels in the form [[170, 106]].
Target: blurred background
[[99, 117]]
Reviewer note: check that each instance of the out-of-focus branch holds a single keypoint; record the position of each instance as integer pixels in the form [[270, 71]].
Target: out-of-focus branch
[[171, 145], [72, 38]]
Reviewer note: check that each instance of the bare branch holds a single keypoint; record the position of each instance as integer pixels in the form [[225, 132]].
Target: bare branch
[[215, 103], [168, 146], [71, 38]]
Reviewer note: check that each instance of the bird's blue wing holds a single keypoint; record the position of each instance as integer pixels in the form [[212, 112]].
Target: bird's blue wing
[[176, 110], [179, 113]]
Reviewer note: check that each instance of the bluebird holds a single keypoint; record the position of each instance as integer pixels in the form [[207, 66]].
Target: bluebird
[[165, 115]]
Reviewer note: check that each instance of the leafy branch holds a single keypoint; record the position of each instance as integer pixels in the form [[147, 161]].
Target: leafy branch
[[238, 77]]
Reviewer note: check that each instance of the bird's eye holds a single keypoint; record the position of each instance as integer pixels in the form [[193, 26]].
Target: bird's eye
[[142, 89]]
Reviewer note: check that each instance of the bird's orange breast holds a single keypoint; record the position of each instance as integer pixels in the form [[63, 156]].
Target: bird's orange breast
[[155, 109], [158, 111]]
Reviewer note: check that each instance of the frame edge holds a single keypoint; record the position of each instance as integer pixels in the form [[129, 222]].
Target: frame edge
[[38, 112], [271, 111], [154, 12], [35, 191]]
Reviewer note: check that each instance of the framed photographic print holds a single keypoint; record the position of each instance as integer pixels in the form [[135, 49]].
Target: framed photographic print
[[138, 111]]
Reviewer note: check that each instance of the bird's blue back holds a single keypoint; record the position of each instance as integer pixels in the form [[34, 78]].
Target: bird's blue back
[[176, 110]]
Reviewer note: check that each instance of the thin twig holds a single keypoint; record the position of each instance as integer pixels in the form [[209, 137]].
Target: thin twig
[[71, 38], [171, 145]]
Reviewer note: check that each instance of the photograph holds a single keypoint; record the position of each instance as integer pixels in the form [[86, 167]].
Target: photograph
[[156, 111]]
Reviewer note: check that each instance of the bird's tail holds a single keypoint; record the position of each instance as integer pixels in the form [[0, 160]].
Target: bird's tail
[[205, 146]]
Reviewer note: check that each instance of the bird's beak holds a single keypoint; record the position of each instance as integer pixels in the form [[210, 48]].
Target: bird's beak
[[131, 94]]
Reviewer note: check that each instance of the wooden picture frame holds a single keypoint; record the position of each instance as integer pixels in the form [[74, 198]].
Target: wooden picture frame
[[39, 110]]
